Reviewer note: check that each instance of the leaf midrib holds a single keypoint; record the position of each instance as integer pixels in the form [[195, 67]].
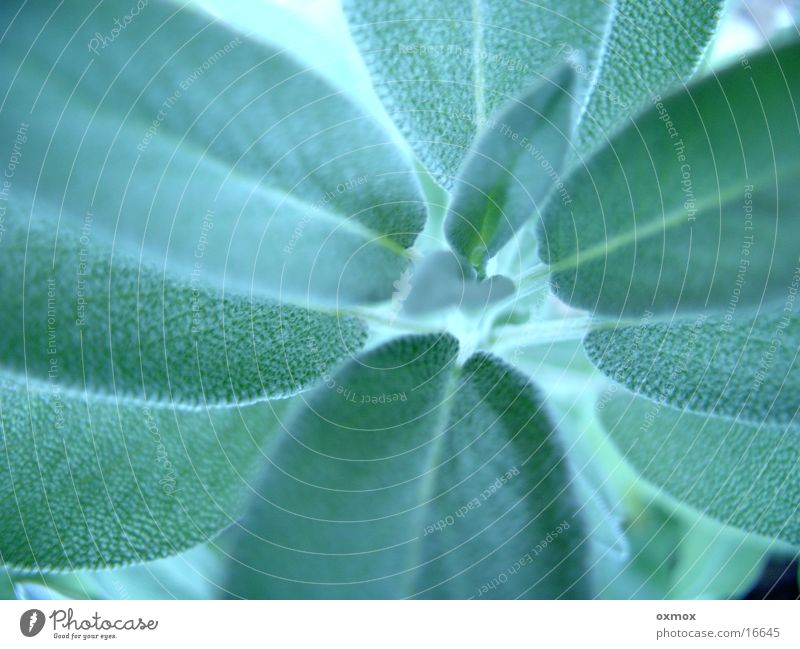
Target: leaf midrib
[[429, 484], [670, 219]]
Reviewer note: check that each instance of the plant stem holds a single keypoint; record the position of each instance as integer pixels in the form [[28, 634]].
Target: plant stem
[[533, 275], [542, 333], [389, 321]]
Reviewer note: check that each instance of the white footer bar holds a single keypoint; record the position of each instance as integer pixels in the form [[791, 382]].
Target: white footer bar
[[373, 625]]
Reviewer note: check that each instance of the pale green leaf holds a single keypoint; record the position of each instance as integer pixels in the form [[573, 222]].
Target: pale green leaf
[[512, 168], [215, 155], [740, 473], [677, 554], [646, 571], [691, 206], [79, 318], [650, 45], [112, 451], [88, 482], [6, 585], [408, 476], [443, 68], [746, 369]]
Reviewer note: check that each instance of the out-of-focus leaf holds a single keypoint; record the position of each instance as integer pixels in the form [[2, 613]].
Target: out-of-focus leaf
[[442, 280], [6, 585], [716, 562], [512, 168], [740, 473], [407, 476]]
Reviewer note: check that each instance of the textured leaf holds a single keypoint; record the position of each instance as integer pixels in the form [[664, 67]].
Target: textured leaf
[[692, 205], [650, 45], [88, 482], [216, 155], [105, 459], [442, 68], [743, 474], [512, 169], [104, 357], [745, 369], [407, 476], [76, 318]]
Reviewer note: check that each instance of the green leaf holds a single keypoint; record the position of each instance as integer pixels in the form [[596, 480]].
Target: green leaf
[[78, 318], [650, 45], [692, 205], [6, 585], [216, 156], [90, 483], [742, 474], [190, 575], [746, 369], [109, 370], [512, 168], [443, 68], [408, 476], [119, 375]]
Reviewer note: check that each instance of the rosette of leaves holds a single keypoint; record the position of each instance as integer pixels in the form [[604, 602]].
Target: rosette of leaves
[[212, 324]]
